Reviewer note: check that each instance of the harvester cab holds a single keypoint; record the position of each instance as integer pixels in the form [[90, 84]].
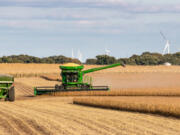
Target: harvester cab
[[72, 80], [7, 91], [71, 75]]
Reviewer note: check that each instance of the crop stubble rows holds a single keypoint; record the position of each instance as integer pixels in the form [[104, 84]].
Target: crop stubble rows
[[52, 116]]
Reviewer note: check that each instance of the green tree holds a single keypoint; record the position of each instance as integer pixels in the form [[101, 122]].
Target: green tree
[[91, 61], [105, 59]]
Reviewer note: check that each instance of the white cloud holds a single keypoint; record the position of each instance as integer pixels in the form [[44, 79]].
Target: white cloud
[[52, 13], [76, 19], [133, 6], [88, 19]]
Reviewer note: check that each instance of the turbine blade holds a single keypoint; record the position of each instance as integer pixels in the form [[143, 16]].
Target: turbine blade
[[163, 35], [72, 54]]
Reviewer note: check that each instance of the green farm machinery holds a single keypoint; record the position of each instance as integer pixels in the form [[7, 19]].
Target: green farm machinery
[[7, 91], [73, 80]]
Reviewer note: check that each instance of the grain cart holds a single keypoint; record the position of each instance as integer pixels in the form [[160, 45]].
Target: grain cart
[[73, 80], [7, 88]]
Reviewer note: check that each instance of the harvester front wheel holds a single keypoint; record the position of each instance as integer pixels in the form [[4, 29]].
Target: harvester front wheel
[[11, 94], [6, 99]]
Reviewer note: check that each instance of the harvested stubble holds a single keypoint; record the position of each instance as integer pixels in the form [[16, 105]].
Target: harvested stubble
[[35, 81], [52, 116], [125, 92], [164, 105], [29, 70]]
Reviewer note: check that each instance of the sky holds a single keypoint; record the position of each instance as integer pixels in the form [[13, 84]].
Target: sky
[[55, 27]]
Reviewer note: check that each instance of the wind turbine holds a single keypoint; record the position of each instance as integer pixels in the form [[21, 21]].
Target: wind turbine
[[72, 55], [167, 45], [79, 55], [107, 51]]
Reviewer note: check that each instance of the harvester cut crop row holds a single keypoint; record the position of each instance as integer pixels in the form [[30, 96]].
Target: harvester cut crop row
[[73, 80], [7, 91]]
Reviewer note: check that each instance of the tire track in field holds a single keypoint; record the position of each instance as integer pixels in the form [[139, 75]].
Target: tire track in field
[[138, 129], [73, 111], [82, 120], [101, 124], [78, 120], [8, 126], [143, 118], [66, 117], [23, 90], [51, 111], [56, 117], [31, 124], [152, 125], [17, 122], [40, 128], [149, 124], [41, 117]]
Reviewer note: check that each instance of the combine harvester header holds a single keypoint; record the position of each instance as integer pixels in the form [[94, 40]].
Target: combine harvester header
[[72, 80]]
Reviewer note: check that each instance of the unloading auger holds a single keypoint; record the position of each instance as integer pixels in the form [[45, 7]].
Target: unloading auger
[[72, 80]]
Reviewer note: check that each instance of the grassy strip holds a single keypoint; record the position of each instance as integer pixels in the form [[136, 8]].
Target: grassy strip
[[161, 109], [123, 92]]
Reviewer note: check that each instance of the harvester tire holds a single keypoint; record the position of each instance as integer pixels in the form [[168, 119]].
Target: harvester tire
[[11, 94], [6, 99], [56, 87]]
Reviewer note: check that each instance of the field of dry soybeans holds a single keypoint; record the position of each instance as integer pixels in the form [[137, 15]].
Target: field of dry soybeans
[[133, 86]]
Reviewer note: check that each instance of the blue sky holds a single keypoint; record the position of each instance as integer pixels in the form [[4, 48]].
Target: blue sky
[[53, 27]]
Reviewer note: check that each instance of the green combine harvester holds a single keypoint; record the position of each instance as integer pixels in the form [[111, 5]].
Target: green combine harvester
[[7, 91], [73, 80]]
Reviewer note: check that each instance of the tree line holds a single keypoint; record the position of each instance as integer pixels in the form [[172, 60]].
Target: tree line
[[145, 58], [31, 59]]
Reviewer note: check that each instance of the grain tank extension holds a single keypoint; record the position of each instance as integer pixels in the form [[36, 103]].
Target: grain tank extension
[[73, 80]]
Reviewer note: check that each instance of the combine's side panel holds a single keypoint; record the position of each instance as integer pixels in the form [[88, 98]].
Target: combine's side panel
[[7, 91]]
